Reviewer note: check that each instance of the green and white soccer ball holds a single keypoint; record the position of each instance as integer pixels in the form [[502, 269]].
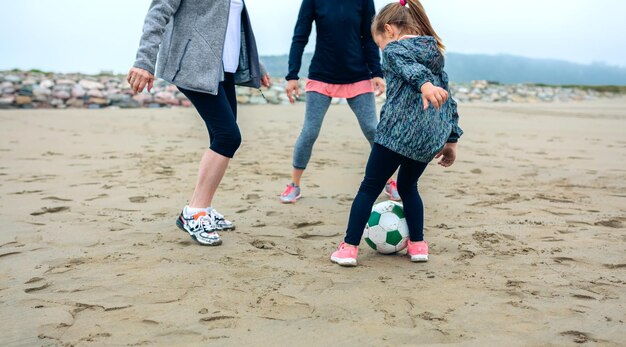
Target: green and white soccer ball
[[387, 231]]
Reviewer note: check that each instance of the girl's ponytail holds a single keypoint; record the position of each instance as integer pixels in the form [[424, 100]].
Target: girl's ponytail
[[410, 17], [421, 19]]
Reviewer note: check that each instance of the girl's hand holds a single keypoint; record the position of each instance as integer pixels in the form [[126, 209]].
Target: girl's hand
[[266, 81], [447, 155], [293, 87], [379, 85], [434, 95], [139, 79]]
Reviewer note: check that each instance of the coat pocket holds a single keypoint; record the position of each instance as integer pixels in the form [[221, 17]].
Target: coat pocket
[[198, 67]]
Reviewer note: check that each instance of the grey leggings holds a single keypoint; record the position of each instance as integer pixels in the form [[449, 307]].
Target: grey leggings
[[363, 106]]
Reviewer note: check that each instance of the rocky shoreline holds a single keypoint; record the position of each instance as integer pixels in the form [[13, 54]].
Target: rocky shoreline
[[44, 90]]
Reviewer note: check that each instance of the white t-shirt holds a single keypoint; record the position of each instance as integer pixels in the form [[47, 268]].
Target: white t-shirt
[[232, 45]]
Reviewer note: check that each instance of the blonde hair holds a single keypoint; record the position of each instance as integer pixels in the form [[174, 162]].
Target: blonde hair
[[410, 19]]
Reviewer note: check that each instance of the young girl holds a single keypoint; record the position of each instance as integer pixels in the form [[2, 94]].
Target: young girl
[[409, 135]]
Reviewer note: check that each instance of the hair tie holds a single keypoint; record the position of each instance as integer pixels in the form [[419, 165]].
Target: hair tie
[[403, 2]]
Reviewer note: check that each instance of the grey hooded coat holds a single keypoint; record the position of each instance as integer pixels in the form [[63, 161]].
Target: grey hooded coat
[[189, 37]]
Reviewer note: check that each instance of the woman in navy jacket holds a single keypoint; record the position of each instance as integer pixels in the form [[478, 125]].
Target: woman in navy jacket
[[346, 64]]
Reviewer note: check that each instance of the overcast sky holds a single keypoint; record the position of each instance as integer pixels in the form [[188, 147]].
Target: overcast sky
[[94, 35]]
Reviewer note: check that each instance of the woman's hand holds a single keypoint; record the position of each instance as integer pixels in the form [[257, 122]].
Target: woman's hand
[[435, 95], [293, 87], [447, 155], [266, 81], [379, 85], [139, 79]]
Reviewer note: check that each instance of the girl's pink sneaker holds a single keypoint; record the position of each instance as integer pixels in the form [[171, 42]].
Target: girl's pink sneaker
[[345, 255], [418, 251]]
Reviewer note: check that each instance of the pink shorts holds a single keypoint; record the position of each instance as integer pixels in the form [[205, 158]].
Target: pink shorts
[[346, 91]]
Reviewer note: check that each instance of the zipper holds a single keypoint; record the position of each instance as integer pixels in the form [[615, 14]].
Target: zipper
[[180, 63]]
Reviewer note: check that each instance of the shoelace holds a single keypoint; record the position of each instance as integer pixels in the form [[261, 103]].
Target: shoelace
[[207, 222], [216, 215], [289, 189]]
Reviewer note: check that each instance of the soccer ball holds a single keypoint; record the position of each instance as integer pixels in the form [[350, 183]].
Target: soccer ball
[[387, 231]]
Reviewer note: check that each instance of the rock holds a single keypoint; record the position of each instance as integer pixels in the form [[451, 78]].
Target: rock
[[243, 99], [12, 78], [29, 81], [58, 103], [98, 101], [272, 97], [26, 91], [63, 95], [22, 100], [75, 103], [95, 93], [78, 91], [6, 101], [143, 98], [165, 97], [65, 82], [123, 101], [41, 94], [46, 84], [87, 84], [8, 90]]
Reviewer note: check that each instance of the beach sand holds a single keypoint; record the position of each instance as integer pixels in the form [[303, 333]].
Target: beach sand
[[527, 233]]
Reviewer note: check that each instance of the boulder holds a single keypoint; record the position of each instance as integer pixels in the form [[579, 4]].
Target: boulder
[[63, 95], [96, 93], [78, 91], [87, 84], [22, 100], [75, 103], [97, 101], [46, 84]]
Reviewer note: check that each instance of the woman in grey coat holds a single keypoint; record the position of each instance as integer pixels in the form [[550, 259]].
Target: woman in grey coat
[[205, 48]]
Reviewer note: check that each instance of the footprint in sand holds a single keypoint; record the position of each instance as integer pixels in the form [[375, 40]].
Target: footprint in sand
[[610, 223], [55, 198], [101, 196], [138, 199], [579, 337], [23, 192], [37, 288], [45, 210], [300, 225], [262, 244]]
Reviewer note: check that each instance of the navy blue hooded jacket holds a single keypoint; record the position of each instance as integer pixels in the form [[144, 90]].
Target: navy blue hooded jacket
[[345, 51]]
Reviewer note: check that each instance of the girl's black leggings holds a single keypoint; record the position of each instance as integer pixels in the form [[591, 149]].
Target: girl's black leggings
[[381, 165], [219, 113]]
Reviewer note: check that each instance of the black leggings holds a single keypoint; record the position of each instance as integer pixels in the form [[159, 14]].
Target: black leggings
[[380, 166], [219, 113]]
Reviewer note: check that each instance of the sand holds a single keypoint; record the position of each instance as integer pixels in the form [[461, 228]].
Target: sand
[[527, 234]]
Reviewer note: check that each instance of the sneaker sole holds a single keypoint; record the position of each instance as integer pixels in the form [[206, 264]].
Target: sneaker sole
[[290, 201], [344, 262], [419, 258], [180, 226]]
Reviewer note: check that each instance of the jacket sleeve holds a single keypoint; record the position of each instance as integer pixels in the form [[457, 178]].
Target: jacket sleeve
[[370, 49], [456, 132], [403, 62], [300, 38], [159, 14]]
